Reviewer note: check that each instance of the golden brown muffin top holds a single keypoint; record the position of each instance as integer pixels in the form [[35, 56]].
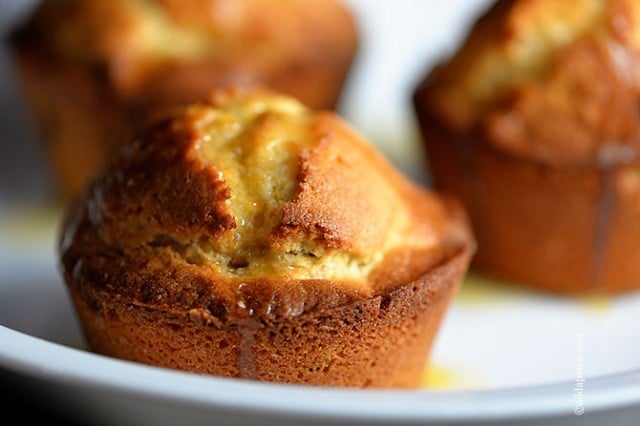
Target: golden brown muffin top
[[248, 190], [130, 39], [553, 81]]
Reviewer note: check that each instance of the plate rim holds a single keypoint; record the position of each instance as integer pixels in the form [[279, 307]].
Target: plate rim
[[24, 354]]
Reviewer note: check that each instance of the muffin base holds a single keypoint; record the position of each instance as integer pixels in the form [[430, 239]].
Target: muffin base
[[383, 342], [559, 230]]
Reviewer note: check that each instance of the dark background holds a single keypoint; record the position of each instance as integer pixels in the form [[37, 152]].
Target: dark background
[[23, 179], [24, 175]]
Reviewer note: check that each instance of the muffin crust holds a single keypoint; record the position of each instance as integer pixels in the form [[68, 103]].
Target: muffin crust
[[253, 217]]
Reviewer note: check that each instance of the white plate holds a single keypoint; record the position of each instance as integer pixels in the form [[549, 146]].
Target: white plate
[[503, 356]]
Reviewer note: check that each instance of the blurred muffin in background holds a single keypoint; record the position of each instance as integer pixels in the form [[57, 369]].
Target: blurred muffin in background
[[97, 71], [534, 124]]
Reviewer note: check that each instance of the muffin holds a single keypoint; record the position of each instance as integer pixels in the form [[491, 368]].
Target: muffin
[[96, 71], [249, 236], [533, 124]]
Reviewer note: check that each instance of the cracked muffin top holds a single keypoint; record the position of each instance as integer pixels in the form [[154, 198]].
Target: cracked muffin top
[[557, 82], [250, 191]]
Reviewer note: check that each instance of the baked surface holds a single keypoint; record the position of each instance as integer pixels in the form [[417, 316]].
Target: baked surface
[[256, 221], [97, 70], [533, 124], [525, 79]]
